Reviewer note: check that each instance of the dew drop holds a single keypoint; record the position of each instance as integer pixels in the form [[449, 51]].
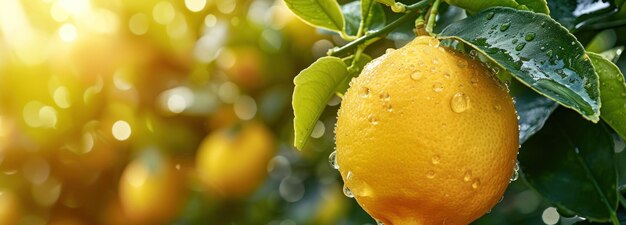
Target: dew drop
[[372, 119], [530, 36], [520, 46], [348, 176], [514, 41], [388, 107], [515, 176], [433, 42], [433, 69], [430, 174], [447, 75], [476, 183], [332, 159], [461, 63], [490, 15], [497, 107], [379, 223], [435, 159], [389, 50], [573, 43], [474, 81], [505, 26], [384, 96], [515, 172], [459, 102], [364, 92], [416, 75], [347, 192], [435, 61], [437, 87], [467, 176], [473, 53]]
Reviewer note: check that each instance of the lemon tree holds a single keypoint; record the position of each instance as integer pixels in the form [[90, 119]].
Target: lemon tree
[[477, 94]]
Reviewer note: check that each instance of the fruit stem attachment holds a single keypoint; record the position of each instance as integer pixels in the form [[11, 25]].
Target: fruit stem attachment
[[432, 17], [409, 15]]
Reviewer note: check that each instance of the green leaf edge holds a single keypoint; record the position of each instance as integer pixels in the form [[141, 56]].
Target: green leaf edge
[[621, 133]]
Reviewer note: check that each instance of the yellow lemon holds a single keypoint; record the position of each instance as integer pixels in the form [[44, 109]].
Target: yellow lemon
[[426, 136]]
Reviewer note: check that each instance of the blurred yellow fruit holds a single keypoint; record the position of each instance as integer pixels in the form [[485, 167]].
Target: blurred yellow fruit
[[232, 162], [150, 189], [10, 208], [426, 136]]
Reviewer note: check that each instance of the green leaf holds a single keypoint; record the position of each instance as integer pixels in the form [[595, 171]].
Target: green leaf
[[572, 14], [537, 51], [613, 93], [570, 162], [532, 108], [374, 17], [315, 85], [473, 6], [613, 54], [321, 13]]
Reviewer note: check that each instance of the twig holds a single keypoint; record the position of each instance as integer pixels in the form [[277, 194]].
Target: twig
[[410, 15]]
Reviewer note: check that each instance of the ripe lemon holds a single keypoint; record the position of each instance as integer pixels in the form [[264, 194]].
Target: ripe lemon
[[425, 136], [150, 189], [232, 162]]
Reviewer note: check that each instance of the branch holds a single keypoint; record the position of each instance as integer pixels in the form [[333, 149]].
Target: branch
[[410, 15]]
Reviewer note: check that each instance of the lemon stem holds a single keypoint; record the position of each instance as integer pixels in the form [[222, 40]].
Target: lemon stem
[[432, 17], [409, 15]]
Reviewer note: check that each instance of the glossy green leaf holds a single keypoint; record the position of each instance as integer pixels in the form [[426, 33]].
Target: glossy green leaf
[[473, 6], [572, 14], [537, 51], [571, 163], [532, 108], [374, 17], [321, 13], [315, 85], [613, 93]]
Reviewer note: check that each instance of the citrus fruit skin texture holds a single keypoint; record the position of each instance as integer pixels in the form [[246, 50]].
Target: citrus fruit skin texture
[[232, 162], [426, 136]]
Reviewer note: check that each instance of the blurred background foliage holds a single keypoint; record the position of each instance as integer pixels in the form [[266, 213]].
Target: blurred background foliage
[[178, 112]]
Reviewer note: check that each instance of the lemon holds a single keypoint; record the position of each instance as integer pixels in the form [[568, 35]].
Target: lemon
[[426, 136], [232, 162]]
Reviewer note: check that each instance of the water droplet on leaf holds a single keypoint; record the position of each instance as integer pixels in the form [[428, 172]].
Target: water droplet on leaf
[[505, 26], [530, 36]]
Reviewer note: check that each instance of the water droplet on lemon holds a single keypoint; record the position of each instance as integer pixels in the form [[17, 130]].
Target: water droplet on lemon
[[459, 102], [437, 87]]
